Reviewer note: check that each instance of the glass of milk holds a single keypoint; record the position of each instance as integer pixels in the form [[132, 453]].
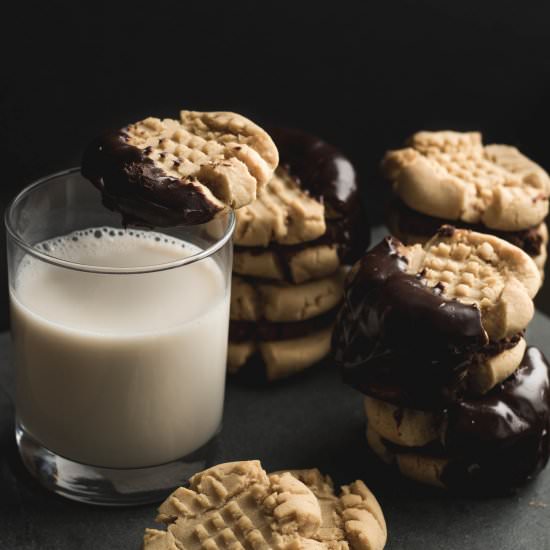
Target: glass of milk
[[120, 338]]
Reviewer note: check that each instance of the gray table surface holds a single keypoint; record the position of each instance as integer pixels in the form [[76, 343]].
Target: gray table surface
[[312, 420]]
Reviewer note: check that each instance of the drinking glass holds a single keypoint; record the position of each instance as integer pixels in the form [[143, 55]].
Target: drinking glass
[[120, 360]]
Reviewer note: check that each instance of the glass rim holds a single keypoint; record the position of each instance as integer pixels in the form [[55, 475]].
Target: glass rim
[[33, 251]]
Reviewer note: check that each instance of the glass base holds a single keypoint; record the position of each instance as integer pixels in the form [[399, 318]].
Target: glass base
[[109, 486]]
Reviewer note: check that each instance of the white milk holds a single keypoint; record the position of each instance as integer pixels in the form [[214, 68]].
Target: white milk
[[120, 370]]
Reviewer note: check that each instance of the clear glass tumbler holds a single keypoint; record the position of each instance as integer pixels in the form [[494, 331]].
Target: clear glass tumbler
[[120, 338]]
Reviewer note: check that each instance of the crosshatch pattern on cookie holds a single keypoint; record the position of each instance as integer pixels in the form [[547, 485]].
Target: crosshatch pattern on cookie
[[237, 505], [223, 149], [469, 273], [495, 184], [282, 213], [474, 268]]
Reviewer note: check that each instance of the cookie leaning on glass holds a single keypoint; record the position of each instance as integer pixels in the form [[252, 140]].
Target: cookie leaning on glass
[[238, 505], [292, 245], [169, 172], [443, 177], [443, 362]]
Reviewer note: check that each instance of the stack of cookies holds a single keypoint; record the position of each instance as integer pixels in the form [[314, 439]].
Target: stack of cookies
[[443, 177], [291, 248], [237, 505], [433, 336]]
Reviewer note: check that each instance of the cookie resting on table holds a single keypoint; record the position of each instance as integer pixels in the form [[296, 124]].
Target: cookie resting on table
[[238, 505]]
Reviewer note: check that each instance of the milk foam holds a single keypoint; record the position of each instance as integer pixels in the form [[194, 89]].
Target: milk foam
[[107, 246]]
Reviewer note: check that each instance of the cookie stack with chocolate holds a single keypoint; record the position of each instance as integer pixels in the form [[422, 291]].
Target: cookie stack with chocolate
[[292, 246], [433, 336], [444, 177]]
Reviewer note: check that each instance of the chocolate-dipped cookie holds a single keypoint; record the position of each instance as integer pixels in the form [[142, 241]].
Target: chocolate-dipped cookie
[[433, 337], [175, 172], [292, 246], [412, 227], [308, 221], [447, 307], [488, 444], [443, 177]]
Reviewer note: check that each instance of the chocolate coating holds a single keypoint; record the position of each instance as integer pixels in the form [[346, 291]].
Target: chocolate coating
[[327, 175], [501, 440], [406, 221], [406, 383], [131, 184], [391, 318]]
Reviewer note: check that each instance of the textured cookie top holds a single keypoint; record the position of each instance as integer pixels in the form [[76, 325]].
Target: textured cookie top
[[352, 519], [282, 213], [237, 505], [439, 304], [185, 171], [452, 175], [315, 184], [479, 269]]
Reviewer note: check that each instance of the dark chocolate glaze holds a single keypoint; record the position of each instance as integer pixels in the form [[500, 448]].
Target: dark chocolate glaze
[[391, 321], [395, 380], [514, 412], [498, 441], [242, 331], [406, 221], [319, 167], [328, 176], [131, 184]]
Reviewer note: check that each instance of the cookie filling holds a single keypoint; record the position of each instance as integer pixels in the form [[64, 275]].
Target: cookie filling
[[500, 440], [389, 313], [350, 244], [143, 193], [409, 222], [242, 331]]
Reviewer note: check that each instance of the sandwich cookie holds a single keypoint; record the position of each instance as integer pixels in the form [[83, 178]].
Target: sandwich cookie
[[308, 221], [488, 444], [278, 329], [186, 171], [292, 246], [443, 316], [238, 505], [412, 227], [451, 176]]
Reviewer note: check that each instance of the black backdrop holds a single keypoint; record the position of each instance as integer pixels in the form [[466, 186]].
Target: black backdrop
[[363, 75]]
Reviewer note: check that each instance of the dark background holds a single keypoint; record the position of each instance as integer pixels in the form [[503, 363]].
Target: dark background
[[363, 75]]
